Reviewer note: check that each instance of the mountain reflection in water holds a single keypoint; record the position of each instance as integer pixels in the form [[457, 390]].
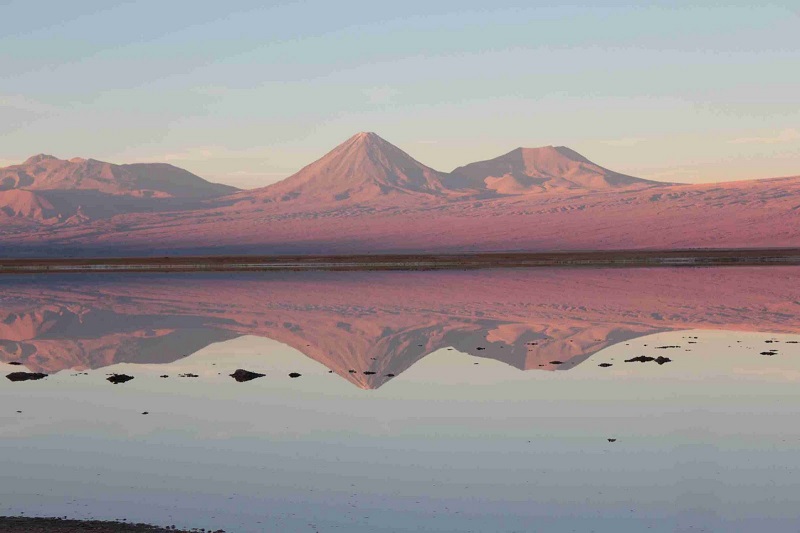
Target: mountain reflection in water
[[383, 322]]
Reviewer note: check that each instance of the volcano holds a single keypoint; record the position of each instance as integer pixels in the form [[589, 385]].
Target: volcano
[[363, 168]]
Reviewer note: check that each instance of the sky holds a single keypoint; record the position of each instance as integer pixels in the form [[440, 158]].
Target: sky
[[247, 92]]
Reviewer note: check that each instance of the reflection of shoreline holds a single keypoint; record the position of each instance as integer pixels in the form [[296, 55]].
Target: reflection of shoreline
[[384, 322], [621, 258]]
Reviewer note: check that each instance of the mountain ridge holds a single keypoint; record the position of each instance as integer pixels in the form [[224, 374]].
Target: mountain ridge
[[368, 196], [46, 172]]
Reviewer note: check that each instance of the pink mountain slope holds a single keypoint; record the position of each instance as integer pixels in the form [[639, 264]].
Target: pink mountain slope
[[537, 170], [758, 213], [26, 204], [363, 168]]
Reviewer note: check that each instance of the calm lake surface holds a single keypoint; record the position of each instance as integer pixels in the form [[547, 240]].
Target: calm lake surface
[[426, 401]]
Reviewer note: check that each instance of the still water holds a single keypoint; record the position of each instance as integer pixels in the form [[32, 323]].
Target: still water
[[441, 401]]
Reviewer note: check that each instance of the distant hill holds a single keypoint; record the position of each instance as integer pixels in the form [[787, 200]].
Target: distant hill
[[47, 189], [147, 180], [541, 170]]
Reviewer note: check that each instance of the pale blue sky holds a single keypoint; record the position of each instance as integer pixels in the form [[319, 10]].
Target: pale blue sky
[[247, 92]]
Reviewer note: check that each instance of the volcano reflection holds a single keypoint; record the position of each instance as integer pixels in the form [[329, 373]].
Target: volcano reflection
[[383, 322]]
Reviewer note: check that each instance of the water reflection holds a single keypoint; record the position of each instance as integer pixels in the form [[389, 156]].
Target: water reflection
[[371, 327], [706, 441]]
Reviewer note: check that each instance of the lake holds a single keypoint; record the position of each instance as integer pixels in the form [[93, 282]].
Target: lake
[[564, 399]]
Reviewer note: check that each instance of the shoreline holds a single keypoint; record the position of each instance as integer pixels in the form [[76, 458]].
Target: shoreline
[[464, 261], [20, 524]]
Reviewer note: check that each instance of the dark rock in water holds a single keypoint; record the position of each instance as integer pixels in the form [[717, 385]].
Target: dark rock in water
[[294, 375], [119, 378], [15, 363], [25, 376], [242, 375], [188, 375], [645, 359], [556, 362], [369, 373], [605, 365], [612, 440]]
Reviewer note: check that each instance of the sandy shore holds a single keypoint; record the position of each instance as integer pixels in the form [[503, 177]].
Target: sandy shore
[[618, 258], [59, 525]]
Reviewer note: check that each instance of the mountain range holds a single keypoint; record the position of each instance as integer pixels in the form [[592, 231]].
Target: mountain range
[[368, 196]]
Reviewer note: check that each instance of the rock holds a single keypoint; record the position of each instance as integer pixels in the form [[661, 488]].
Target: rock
[[25, 376], [241, 375], [119, 378], [294, 375], [645, 359]]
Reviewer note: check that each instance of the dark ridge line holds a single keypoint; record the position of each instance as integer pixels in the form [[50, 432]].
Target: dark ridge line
[[243, 263]]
